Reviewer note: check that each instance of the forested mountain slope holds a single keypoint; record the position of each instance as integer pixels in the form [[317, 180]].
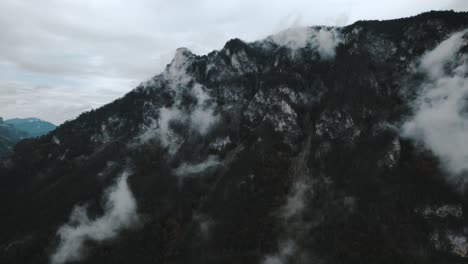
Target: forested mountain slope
[[314, 145]]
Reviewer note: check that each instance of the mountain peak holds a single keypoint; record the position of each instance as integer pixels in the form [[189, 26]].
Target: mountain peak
[[183, 51], [234, 45]]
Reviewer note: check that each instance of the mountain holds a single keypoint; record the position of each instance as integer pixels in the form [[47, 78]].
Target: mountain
[[314, 145], [32, 126], [9, 136], [14, 130]]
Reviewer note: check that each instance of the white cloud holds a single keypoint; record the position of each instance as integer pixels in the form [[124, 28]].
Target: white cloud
[[295, 202], [199, 118], [440, 118], [191, 168], [203, 117], [166, 134], [120, 213], [291, 216], [324, 40], [294, 38], [435, 61], [287, 249], [327, 40]]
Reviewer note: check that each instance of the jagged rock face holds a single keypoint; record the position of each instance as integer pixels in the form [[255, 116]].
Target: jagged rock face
[[299, 148]]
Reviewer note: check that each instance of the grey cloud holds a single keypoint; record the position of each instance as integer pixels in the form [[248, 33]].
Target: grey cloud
[[291, 215], [205, 224], [296, 201]]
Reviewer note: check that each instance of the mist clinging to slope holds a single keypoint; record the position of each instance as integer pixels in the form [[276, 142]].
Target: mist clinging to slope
[[120, 212], [440, 119]]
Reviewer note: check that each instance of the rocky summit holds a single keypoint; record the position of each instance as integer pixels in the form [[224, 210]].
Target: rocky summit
[[313, 145]]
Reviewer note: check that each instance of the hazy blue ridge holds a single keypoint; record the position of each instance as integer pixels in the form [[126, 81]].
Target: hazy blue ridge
[[34, 127]]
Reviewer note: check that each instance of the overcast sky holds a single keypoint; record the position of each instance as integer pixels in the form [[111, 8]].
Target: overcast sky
[[59, 58]]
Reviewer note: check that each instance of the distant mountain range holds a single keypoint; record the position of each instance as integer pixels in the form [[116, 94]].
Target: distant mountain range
[[34, 127], [14, 130]]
